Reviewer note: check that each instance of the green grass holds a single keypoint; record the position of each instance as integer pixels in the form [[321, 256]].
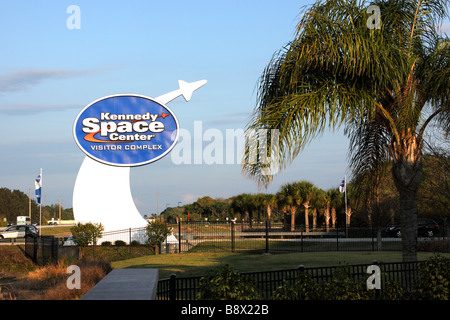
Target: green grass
[[56, 230], [199, 264], [311, 246]]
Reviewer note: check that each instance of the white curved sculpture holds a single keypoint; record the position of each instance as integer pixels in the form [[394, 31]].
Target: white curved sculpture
[[102, 192]]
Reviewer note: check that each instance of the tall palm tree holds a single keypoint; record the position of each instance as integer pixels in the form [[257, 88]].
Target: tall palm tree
[[289, 199], [320, 203], [336, 201], [383, 85], [307, 192], [242, 204], [269, 201]]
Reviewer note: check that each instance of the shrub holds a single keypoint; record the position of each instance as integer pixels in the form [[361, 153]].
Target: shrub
[[434, 279], [119, 243], [343, 287], [226, 284], [85, 234], [106, 244], [393, 291], [157, 232], [135, 243], [304, 288]]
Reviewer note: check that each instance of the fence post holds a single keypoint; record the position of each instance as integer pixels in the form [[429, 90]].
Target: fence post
[[301, 239], [129, 239], [35, 250], [267, 236], [179, 236], [93, 246], [173, 287], [337, 238], [232, 235]]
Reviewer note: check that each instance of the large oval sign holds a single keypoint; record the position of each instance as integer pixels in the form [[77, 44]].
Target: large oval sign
[[126, 130]]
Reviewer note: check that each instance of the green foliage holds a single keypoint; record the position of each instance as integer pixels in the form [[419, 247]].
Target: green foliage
[[134, 243], [15, 203], [343, 287], [433, 284], [304, 288], [86, 234], [157, 232], [119, 243], [393, 291], [434, 279], [106, 244], [226, 284]]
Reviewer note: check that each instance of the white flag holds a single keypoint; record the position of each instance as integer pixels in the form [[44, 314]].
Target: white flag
[[38, 185]]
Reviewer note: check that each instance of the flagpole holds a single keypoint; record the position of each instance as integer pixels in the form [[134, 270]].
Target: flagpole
[[40, 207], [345, 196]]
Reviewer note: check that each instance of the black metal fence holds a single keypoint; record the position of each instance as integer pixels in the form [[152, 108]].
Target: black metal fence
[[402, 273], [273, 237], [42, 250], [232, 237], [270, 237]]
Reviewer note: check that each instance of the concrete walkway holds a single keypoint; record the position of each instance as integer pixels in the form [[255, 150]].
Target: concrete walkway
[[126, 284]]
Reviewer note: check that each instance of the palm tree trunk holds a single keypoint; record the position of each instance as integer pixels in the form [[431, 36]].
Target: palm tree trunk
[[327, 218], [333, 217], [314, 218], [348, 215], [306, 204], [293, 209], [407, 174]]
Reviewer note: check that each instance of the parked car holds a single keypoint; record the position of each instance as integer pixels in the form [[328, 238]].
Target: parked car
[[425, 228], [19, 231]]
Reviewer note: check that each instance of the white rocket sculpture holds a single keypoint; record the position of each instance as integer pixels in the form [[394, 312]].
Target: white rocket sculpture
[[102, 192]]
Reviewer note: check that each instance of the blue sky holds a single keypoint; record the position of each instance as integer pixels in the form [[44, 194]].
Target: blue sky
[[49, 73]]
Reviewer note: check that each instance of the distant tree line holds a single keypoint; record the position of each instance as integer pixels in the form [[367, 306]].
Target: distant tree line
[[15, 203], [303, 203]]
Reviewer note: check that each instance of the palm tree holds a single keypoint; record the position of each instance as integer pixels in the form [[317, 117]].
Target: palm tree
[[320, 202], [384, 86], [307, 192], [269, 201], [288, 200]]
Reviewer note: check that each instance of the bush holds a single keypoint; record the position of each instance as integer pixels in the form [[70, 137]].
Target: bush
[[135, 243], [86, 234], [157, 232], [119, 243], [106, 244], [343, 287], [434, 279], [226, 284], [304, 288]]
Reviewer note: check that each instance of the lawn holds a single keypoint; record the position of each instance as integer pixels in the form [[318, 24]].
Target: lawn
[[198, 264], [55, 231]]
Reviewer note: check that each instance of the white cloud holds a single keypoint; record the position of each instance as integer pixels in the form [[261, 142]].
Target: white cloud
[[24, 79], [445, 28], [189, 198], [29, 108]]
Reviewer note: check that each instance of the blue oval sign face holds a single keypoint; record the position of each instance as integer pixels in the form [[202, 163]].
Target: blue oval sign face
[[126, 130]]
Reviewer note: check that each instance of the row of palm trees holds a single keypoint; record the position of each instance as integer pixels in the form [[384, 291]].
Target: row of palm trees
[[289, 199]]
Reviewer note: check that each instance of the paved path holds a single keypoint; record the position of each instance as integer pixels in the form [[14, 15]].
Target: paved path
[[126, 284]]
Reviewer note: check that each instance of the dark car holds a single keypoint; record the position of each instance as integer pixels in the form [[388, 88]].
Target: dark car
[[425, 228], [19, 231]]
